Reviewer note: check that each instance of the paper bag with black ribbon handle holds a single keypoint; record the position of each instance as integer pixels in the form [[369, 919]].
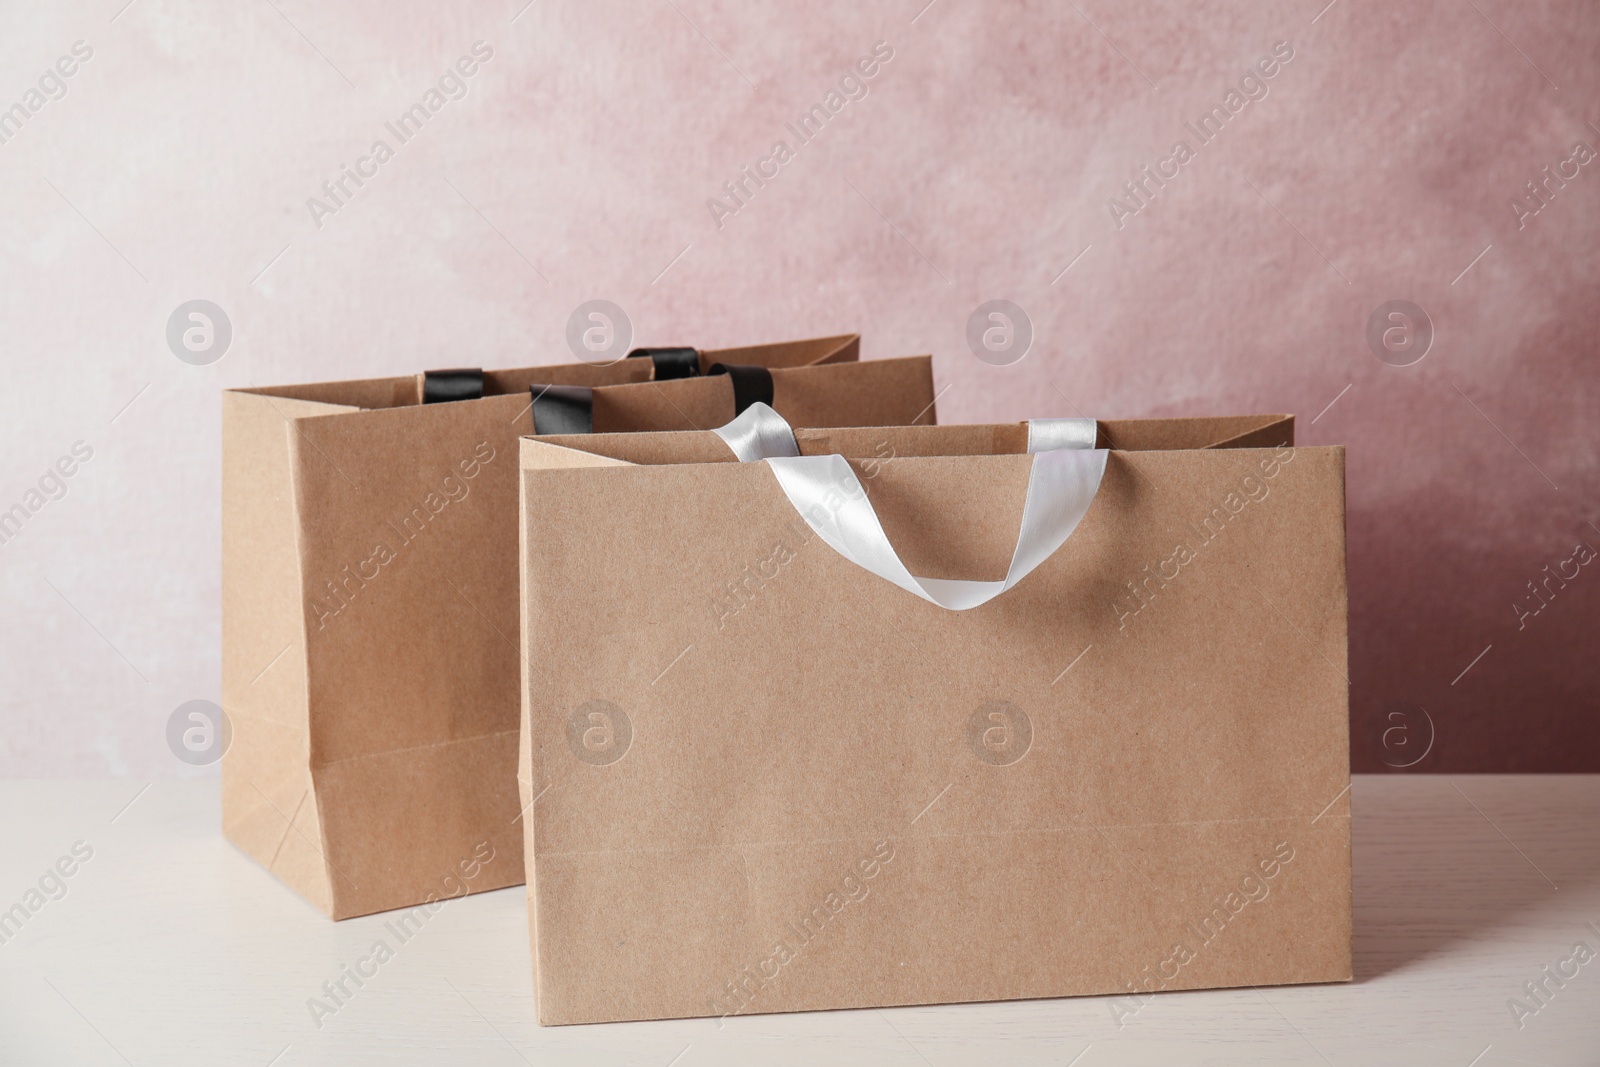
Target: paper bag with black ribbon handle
[[370, 642], [932, 714]]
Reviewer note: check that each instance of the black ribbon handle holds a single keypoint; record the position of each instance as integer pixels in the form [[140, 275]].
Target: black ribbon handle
[[556, 408], [751, 384], [671, 362], [443, 386], [564, 405], [562, 409]]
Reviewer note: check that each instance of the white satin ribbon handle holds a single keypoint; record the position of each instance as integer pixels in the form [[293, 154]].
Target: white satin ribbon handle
[[1062, 482], [758, 433], [1047, 435]]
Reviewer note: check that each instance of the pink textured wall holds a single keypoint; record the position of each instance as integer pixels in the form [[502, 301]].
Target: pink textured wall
[[1380, 164]]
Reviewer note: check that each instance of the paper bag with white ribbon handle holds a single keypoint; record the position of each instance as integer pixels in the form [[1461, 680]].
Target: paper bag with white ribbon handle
[[910, 715]]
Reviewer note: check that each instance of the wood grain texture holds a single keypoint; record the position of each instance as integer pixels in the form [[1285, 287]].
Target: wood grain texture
[[170, 947]]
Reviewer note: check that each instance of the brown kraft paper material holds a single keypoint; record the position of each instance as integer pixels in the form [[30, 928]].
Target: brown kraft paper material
[[759, 778], [370, 618]]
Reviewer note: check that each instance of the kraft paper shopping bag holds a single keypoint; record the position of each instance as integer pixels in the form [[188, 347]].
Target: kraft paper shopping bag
[[370, 636], [932, 714]]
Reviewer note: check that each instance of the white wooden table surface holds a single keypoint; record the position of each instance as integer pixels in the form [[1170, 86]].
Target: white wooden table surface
[[170, 947]]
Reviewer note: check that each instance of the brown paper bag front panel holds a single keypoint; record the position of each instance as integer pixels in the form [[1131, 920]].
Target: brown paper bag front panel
[[677, 404], [879, 392], [410, 609], [943, 523], [411, 825], [1288, 559], [830, 710], [762, 910], [888, 442], [409, 585]]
